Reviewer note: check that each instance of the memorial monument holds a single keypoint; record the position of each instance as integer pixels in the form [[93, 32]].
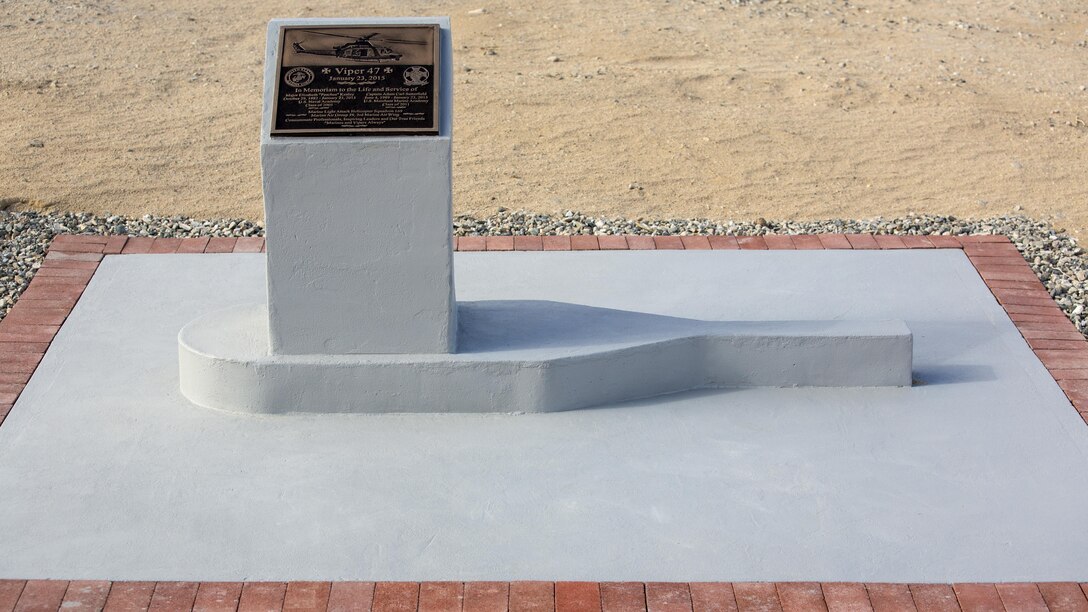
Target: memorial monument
[[356, 162], [112, 466], [361, 314]]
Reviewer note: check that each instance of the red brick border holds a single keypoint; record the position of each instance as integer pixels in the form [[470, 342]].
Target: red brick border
[[41, 595], [28, 329]]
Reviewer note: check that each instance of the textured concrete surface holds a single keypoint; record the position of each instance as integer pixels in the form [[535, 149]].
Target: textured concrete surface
[[359, 229], [536, 356], [978, 473]]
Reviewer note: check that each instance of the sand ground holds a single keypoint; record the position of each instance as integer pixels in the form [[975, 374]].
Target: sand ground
[[718, 108]]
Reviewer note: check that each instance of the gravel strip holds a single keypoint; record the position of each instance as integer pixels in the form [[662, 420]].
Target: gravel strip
[[1055, 257], [24, 237]]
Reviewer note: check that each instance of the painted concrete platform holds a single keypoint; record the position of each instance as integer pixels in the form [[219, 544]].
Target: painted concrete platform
[[977, 473]]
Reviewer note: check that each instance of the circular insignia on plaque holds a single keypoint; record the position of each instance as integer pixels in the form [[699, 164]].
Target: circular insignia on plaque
[[299, 77], [416, 75]]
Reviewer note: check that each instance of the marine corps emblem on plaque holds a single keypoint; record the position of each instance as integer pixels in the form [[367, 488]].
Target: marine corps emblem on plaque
[[416, 75], [299, 77]]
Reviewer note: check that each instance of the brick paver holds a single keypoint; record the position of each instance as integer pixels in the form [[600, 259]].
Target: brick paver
[[584, 243], [801, 596], [865, 241], [532, 596], [668, 243], [934, 597], [612, 243], [556, 243], [249, 244], [173, 597], [751, 243], [165, 245], [757, 597], [834, 241], [220, 245], [471, 243], [808, 242], [499, 243], [1064, 596], [41, 596], [723, 243], [641, 243], [351, 596], [217, 597], [779, 242], [695, 243], [528, 243], [917, 242], [889, 241], [577, 597], [623, 597], [978, 597], [396, 597], [668, 597], [441, 597], [1021, 596], [85, 596], [126, 596], [712, 597], [486, 597], [886, 597], [307, 596], [846, 597], [193, 245], [262, 597], [137, 245], [10, 590]]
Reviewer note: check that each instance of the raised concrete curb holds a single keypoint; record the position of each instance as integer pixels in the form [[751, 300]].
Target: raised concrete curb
[[523, 356]]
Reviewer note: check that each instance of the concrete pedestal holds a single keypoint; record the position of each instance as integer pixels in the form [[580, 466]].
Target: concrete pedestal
[[359, 243], [362, 316]]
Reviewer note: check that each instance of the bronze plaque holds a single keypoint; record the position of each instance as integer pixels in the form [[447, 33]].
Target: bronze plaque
[[377, 80]]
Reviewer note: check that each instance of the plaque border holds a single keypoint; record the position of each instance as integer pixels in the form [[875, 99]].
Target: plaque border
[[438, 80]]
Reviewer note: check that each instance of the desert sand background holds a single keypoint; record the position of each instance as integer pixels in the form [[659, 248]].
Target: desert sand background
[[727, 109]]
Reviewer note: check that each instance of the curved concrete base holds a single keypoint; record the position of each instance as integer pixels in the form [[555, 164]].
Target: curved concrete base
[[534, 356]]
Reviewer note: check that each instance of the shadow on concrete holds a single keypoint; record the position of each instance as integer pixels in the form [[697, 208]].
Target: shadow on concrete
[[505, 325], [948, 374], [533, 324]]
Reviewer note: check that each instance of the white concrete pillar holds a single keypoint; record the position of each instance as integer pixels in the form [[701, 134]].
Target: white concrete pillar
[[360, 251]]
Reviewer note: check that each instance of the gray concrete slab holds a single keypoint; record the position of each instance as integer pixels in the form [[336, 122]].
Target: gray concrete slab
[[977, 473]]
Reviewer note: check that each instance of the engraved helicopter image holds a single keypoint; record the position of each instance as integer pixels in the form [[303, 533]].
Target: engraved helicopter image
[[361, 49]]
